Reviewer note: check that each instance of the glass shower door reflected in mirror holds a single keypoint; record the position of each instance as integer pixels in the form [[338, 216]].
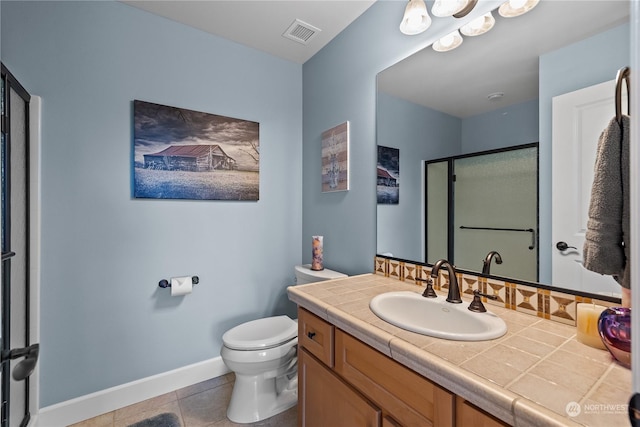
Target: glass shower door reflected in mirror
[[493, 207]]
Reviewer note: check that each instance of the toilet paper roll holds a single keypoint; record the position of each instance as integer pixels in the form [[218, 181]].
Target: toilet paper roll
[[181, 286]]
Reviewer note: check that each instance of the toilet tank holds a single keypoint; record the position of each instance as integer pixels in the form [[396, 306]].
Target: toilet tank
[[304, 274]]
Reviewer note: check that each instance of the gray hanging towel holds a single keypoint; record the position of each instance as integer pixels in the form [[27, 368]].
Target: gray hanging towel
[[606, 245]]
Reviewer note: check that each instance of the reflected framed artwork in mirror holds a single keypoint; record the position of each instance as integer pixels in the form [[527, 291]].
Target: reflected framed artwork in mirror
[[388, 176]]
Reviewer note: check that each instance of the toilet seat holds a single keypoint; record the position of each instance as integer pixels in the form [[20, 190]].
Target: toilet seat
[[261, 334]]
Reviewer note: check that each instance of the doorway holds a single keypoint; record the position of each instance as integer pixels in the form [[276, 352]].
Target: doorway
[[18, 354], [578, 120]]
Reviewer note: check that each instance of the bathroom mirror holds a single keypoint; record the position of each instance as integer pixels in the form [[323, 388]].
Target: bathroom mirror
[[492, 92]]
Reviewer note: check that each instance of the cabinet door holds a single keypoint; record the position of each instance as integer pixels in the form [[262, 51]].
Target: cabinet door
[[324, 400], [468, 414], [389, 422], [409, 398]]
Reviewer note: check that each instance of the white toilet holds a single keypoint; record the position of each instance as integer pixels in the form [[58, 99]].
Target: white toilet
[[263, 355]]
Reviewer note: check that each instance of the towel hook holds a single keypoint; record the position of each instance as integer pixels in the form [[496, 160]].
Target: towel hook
[[624, 74]]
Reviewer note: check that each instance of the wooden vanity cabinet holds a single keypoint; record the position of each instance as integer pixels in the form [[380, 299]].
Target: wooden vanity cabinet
[[408, 398], [358, 386], [325, 400], [468, 414]]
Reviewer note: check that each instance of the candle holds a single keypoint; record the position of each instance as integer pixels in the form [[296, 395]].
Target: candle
[[316, 249], [587, 324]]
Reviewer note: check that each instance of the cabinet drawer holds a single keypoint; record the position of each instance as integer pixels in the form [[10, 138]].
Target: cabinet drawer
[[316, 336], [407, 397]]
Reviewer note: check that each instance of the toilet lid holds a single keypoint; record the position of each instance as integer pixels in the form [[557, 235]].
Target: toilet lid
[[261, 333]]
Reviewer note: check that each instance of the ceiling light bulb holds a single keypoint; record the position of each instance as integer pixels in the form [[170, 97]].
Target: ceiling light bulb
[[448, 42], [512, 8], [517, 4], [415, 19], [479, 25], [443, 8]]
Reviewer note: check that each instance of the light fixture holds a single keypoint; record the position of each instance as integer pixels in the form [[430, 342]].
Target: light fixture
[[448, 42], [512, 8], [455, 8], [415, 19], [478, 26]]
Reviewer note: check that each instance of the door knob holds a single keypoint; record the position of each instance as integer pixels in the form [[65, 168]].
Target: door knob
[[25, 368], [562, 246]]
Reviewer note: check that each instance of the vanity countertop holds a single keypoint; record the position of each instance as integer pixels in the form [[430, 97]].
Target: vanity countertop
[[528, 377]]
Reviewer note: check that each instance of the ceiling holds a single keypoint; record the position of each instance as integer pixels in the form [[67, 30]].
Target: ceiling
[[503, 60], [260, 23]]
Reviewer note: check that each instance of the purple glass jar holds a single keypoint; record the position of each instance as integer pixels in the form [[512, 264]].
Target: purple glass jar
[[614, 326]]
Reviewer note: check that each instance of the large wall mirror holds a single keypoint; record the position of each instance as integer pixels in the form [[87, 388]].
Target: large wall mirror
[[493, 92]]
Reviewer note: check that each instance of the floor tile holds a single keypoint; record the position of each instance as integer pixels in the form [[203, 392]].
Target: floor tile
[[202, 404], [205, 385], [171, 407], [146, 405], [207, 407], [288, 418], [104, 420]]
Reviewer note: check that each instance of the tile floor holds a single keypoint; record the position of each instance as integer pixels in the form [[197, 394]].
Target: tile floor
[[199, 405]]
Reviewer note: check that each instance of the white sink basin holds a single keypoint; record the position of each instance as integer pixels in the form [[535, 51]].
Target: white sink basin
[[436, 317]]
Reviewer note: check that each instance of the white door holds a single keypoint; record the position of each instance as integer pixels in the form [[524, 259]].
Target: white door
[[578, 120]]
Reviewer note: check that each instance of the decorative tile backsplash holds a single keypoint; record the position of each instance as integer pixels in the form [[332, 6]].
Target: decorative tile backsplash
[[544, 303]]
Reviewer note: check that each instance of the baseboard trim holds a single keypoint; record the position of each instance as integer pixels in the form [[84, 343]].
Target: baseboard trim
[[94, 404]]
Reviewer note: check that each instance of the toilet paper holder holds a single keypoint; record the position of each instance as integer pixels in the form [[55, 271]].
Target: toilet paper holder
[[167, 283]]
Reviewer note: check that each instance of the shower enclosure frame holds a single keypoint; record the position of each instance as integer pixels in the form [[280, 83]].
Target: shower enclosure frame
[[449, 253]]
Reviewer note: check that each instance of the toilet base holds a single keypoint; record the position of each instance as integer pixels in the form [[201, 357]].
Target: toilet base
[[255, 398]]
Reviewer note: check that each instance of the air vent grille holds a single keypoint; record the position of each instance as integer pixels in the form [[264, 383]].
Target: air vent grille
[[301, 32]]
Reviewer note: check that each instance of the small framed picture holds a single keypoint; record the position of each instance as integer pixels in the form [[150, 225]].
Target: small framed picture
[[335, 158], [388, 181]]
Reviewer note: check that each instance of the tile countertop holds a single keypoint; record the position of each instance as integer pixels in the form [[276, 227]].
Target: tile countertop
[[528, 377]]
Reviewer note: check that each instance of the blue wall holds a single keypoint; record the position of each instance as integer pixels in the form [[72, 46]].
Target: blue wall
[[104, 320], [421, 134], [339, 83], [504, 127]]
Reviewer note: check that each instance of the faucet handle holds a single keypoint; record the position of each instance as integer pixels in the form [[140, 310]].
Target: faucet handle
[[476, 305], [428, 292]]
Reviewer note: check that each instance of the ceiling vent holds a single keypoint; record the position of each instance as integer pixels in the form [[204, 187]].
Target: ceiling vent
[[301, 32]]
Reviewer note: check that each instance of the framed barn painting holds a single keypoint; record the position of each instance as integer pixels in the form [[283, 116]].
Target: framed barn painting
[[335, 158], [185, 154], [388, 181]]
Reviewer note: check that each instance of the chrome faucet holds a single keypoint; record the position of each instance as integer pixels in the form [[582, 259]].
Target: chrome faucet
[[486, 264], [454, 290]]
